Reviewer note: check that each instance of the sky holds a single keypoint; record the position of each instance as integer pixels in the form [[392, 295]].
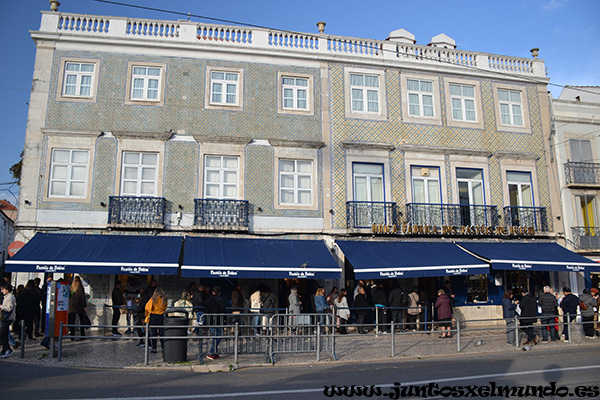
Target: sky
[[567, 32]]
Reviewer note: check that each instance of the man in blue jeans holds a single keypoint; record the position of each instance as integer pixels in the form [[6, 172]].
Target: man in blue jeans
[[549, 306], [214, 306]]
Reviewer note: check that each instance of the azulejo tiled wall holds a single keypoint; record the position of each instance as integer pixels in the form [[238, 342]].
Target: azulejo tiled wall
[[180, 179], [184, 100], [396, 132]]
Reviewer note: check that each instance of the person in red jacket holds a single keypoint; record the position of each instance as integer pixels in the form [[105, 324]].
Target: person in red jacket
[[444, 313]]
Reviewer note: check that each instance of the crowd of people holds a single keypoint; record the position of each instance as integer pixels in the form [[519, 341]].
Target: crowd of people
[[370, 304], [547, 308]]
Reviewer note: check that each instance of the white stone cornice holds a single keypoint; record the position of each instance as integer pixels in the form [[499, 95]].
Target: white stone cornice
[[164, 136], [516, 156], [444, 150], [236, 140], [367, 146], [304, 144], [70, 132]]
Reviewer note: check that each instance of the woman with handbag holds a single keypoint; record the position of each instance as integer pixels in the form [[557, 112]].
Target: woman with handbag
[[9, 306], [77, 307]]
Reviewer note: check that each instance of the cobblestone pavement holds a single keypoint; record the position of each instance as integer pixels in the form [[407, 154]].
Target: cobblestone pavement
[[122, 352]]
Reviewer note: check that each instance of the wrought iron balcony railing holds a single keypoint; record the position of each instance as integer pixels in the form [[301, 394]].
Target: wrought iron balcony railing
[[586, 238], [581, 173], [451, 214], [526, 217], [136, 212], [221, 214], [363, 214]]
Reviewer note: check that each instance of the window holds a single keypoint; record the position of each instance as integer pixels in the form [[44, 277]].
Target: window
[[221, 177], [139, 174], [463, 102], [145, 83], [477, 288], [581, 150], [295, 182], [426, 185], [295, 93], [79, 79], [420, 98], [519, 189], [586, 213], [368, 182], [364, 93], [511, 112], [69, 173], [224, 88], [470, 186]]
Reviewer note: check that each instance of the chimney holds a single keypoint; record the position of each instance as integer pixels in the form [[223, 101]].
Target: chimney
[[442, 40], [402, 36]]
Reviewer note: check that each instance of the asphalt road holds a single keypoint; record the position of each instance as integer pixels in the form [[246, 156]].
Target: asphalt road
[[570, 368]]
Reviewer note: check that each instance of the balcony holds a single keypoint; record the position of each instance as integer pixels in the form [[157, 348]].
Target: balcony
[[451, 215], [217, 214], [136, 212], [534, 217], [586, 238], [581, 174], [363, 214]]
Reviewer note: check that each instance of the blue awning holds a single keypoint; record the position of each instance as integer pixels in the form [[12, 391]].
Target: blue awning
[[530, 256], [379, 260], [258, 258], [98, 254]]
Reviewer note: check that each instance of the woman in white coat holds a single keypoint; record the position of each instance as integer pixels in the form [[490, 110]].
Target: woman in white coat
[[342, 311]]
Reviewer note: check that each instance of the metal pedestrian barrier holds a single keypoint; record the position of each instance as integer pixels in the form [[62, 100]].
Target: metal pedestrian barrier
[[268, 335]]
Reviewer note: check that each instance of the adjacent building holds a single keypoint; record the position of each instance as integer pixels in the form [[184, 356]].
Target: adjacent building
[[576, 148], [186, 151]]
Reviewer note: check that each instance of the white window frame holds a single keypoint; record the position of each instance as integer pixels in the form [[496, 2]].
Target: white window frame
[[309, 110], [61, 94], [139, 179], [525, 126], [470, 183], [349, 87], [463, 100], [520, 186], [221, 170], [296, 176], [364, 89], [426, 181], [239, 88], [144, 99], [407, 94], [68, 179], [294, 88], [478, 123], [509, 107], [369, 177], [420, 95]]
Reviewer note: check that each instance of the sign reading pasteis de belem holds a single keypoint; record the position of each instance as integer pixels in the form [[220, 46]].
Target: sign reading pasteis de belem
[[464, 230]]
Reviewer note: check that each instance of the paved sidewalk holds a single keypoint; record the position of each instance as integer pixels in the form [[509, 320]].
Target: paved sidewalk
[[123, 353]]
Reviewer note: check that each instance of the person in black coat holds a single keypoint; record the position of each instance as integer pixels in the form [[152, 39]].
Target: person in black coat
[[29, 300], [528, 306], [139, 312], [397, 300], [380, 299], [117, 302], [362, 305], [215, 307], [569, 305]]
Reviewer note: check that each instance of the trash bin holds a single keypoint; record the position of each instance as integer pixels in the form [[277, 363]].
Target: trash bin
[[175, 350]]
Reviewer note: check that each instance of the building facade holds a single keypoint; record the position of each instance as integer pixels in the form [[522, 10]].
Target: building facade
[[293, 146]]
